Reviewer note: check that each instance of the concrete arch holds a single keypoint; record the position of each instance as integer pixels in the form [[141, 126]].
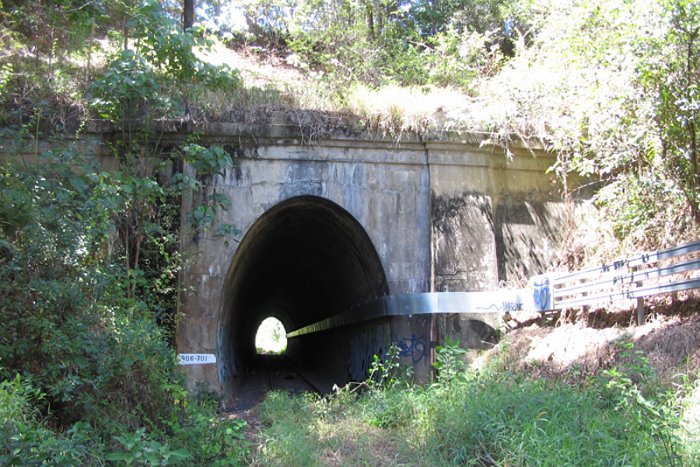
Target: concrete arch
[[302, 261]]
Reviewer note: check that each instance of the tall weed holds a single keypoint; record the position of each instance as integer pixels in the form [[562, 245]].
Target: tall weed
[[495, 416]]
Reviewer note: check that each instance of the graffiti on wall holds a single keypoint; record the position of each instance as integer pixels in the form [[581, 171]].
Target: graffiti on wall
[[413, 347], [364, 345]]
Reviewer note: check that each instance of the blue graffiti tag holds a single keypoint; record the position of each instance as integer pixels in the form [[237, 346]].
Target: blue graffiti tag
[[413, 347]]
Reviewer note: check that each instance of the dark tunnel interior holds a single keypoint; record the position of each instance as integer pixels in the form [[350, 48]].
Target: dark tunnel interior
[[304, 260]]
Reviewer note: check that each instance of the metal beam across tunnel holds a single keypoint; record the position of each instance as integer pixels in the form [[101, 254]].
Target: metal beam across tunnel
[[304, 260]]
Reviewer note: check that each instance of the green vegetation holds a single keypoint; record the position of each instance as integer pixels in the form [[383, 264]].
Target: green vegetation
[[494, 416], [610, 85], [446, 43], [89, 257], [86, 322]]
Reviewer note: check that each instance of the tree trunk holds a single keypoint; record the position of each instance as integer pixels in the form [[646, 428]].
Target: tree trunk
[[188, 14], [125, 30], [369, 17]]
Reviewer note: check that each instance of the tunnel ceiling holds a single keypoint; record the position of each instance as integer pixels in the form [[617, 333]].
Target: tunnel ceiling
[[304, 260]]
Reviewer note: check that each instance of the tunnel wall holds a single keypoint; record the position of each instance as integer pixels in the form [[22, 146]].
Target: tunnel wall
[[451, 214], [496, 220], [447, 212], [385, 188], [502, 215]]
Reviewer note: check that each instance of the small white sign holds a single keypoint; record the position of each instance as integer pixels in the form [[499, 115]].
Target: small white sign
[[195, 358]]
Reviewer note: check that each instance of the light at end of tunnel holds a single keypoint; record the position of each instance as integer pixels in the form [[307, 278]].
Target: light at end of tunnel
[[271, 337]]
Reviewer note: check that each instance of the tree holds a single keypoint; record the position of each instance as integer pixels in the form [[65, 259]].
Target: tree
[[674, 79], [188, 14]]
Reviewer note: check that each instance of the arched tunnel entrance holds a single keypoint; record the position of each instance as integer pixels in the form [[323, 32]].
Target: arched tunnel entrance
[[302, 261]]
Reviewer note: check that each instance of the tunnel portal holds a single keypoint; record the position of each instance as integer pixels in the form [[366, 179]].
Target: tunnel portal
[[302, 261]]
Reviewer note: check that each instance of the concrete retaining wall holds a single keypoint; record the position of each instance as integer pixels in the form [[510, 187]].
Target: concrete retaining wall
[[451, 213]]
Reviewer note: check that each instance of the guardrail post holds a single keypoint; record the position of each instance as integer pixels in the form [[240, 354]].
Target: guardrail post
[[640, 311], [640, 300]]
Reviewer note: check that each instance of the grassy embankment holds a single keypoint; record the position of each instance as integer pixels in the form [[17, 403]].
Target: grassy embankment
[[498, 415]]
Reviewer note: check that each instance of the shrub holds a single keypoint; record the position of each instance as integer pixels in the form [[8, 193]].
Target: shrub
[[450, 361], [26, 441]]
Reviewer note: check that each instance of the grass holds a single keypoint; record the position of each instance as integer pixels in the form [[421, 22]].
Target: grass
[[689, 430], [492, 417], [268, 83], [399, 110]]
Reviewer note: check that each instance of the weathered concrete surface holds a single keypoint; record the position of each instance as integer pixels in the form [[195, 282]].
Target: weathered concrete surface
[[443, 213], [446, 214], [495, 218], [388, 195]]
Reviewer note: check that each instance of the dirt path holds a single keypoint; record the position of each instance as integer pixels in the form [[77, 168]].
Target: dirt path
[[266, 373]]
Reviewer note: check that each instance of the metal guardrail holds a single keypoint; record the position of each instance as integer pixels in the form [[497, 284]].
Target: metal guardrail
[[633, 278], [477, 304]]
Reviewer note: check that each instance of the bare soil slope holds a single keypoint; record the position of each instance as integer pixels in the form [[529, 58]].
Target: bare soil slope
[[573, 346]]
